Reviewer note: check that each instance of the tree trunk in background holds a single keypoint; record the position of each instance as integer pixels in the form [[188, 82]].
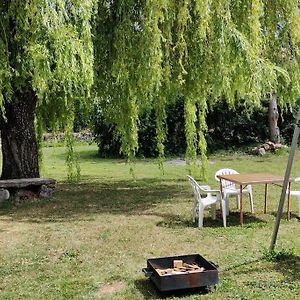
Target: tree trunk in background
[[19, 146], [273, 119]]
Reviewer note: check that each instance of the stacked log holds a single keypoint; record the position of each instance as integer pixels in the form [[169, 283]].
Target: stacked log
[[179, 267], [267, 147]]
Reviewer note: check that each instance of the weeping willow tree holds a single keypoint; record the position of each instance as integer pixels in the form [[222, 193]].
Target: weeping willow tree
[[141, 55], [46, 64], [147, 52]]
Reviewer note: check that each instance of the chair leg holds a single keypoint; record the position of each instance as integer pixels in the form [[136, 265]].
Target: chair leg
[[194, 212], [200, 215], [213, 211], [193, 215], [226, 199], [251, 202], [224, 211], [238, 202], [227, 206]]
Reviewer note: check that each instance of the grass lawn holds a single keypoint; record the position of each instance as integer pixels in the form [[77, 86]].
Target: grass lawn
[[91, 240]]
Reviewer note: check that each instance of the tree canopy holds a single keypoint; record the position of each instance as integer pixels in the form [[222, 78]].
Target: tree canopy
[[45, 47], [148, 51], [135, 54]]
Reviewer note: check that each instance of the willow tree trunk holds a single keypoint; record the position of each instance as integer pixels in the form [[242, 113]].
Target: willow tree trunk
[[19, 145], [273, 119]]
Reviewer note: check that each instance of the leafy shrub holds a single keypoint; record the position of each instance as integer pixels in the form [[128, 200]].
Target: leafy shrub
[[105, 135], [232, 128], [228, 129], [108, 140]]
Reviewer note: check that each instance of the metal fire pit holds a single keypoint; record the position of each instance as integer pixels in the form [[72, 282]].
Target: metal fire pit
[[175, 282]]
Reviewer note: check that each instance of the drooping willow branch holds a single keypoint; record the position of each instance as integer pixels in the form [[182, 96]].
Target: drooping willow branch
[[142, 54]]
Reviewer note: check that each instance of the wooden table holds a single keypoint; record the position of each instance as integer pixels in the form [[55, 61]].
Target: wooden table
[[254, 178]]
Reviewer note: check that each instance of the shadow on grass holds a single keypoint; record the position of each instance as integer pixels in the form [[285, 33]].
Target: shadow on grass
[[140, 197], [284, 215], [289, 267], [81, 200], [250, 221], [149, 291], [244, 264]]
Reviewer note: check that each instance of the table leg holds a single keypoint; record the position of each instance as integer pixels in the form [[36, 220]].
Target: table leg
[[289, 202], [221, 189], [266, 194], [241, 205]]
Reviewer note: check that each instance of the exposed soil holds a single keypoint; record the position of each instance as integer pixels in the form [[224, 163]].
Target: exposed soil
[[111, 288]]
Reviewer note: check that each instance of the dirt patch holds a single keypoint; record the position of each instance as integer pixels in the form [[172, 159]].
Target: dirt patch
[[111, 288]]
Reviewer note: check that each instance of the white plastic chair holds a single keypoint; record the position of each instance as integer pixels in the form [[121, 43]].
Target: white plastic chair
[[229, 189], [212, 197], [297, 195]]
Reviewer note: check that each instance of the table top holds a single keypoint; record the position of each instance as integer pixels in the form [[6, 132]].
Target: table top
[[253, 178]]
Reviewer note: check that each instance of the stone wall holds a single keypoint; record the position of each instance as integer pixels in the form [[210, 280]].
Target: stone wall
[[82, 136]]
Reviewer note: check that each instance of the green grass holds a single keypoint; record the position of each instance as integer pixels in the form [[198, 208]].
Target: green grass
[[91, 240]]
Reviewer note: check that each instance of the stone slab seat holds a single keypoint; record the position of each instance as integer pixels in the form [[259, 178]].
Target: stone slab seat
[[26, 188], [25, 182]]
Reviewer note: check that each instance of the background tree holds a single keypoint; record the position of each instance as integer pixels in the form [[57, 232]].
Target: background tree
[[46, 61], [273, 115]]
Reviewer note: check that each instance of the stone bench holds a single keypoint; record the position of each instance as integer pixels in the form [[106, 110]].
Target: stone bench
[[27, 187]]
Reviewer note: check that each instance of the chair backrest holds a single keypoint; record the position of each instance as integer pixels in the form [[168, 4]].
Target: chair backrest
[[197, 189], [226, 184]]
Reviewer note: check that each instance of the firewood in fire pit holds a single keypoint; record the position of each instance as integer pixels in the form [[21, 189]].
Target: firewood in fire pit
[[185, 268], [164, 271], [177, 263], [190, 266]]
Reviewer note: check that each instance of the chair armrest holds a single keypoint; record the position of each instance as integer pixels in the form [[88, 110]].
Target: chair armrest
[[208, 190], [213, 191], [205, 187]]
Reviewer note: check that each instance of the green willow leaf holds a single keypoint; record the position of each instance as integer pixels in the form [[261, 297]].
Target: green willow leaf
[[135, 55]]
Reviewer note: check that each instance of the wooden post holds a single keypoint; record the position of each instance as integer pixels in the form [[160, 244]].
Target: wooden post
[[286, 180]]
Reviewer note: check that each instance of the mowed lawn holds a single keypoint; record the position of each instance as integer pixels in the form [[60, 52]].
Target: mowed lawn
[[91, 240]]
